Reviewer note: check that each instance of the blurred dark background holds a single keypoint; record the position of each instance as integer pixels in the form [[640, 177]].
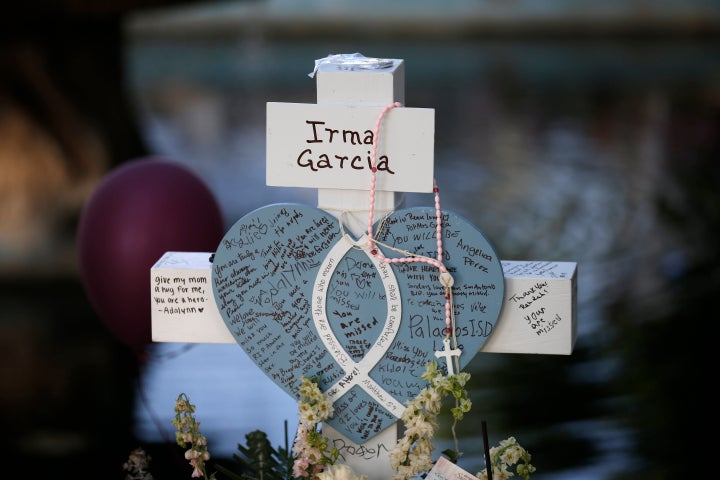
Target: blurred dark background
[[565, 130]]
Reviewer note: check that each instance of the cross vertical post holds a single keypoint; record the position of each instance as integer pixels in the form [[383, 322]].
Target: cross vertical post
[[375, 87], [380, 87]]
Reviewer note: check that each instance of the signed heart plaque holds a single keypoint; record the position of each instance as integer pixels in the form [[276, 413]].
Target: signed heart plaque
[[303, 298]]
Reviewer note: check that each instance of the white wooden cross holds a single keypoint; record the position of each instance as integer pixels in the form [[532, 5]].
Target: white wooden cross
[[539, 309]]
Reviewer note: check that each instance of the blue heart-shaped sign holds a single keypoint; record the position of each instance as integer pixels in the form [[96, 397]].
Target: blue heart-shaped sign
[[303, 298]]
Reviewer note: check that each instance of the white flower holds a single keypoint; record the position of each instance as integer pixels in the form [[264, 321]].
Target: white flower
[[419, 426], [511, 455], [324, 409], [507, 454], [430, 398]]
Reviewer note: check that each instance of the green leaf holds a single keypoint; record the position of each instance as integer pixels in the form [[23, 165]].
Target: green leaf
[[260, 461]]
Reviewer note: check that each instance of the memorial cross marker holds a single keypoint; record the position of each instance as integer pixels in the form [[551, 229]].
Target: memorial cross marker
[[304, 292]]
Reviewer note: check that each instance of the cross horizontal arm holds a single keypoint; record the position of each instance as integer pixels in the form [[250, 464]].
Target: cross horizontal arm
[[538, 315]]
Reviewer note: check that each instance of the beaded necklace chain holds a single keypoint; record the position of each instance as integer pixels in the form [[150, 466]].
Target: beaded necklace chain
[[445, 278]]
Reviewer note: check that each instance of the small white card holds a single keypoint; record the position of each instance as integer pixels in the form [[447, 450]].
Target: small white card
[[330, 146], [444, 469]]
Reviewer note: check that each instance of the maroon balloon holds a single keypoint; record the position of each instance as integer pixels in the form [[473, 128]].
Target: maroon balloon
[[139, 211]]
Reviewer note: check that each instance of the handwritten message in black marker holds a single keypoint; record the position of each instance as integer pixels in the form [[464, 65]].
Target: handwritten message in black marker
[[532, 302], [302, 299], [478, 282], [179, 294]]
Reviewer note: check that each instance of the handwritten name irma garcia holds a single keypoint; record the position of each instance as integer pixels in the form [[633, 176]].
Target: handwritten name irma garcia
[[319, 133]]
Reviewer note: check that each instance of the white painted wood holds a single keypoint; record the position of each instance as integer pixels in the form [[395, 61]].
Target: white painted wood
[[343, 204], [379, 87], [372, 458], [371, 87], [174, 318], [539, 313], [330, 146]]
